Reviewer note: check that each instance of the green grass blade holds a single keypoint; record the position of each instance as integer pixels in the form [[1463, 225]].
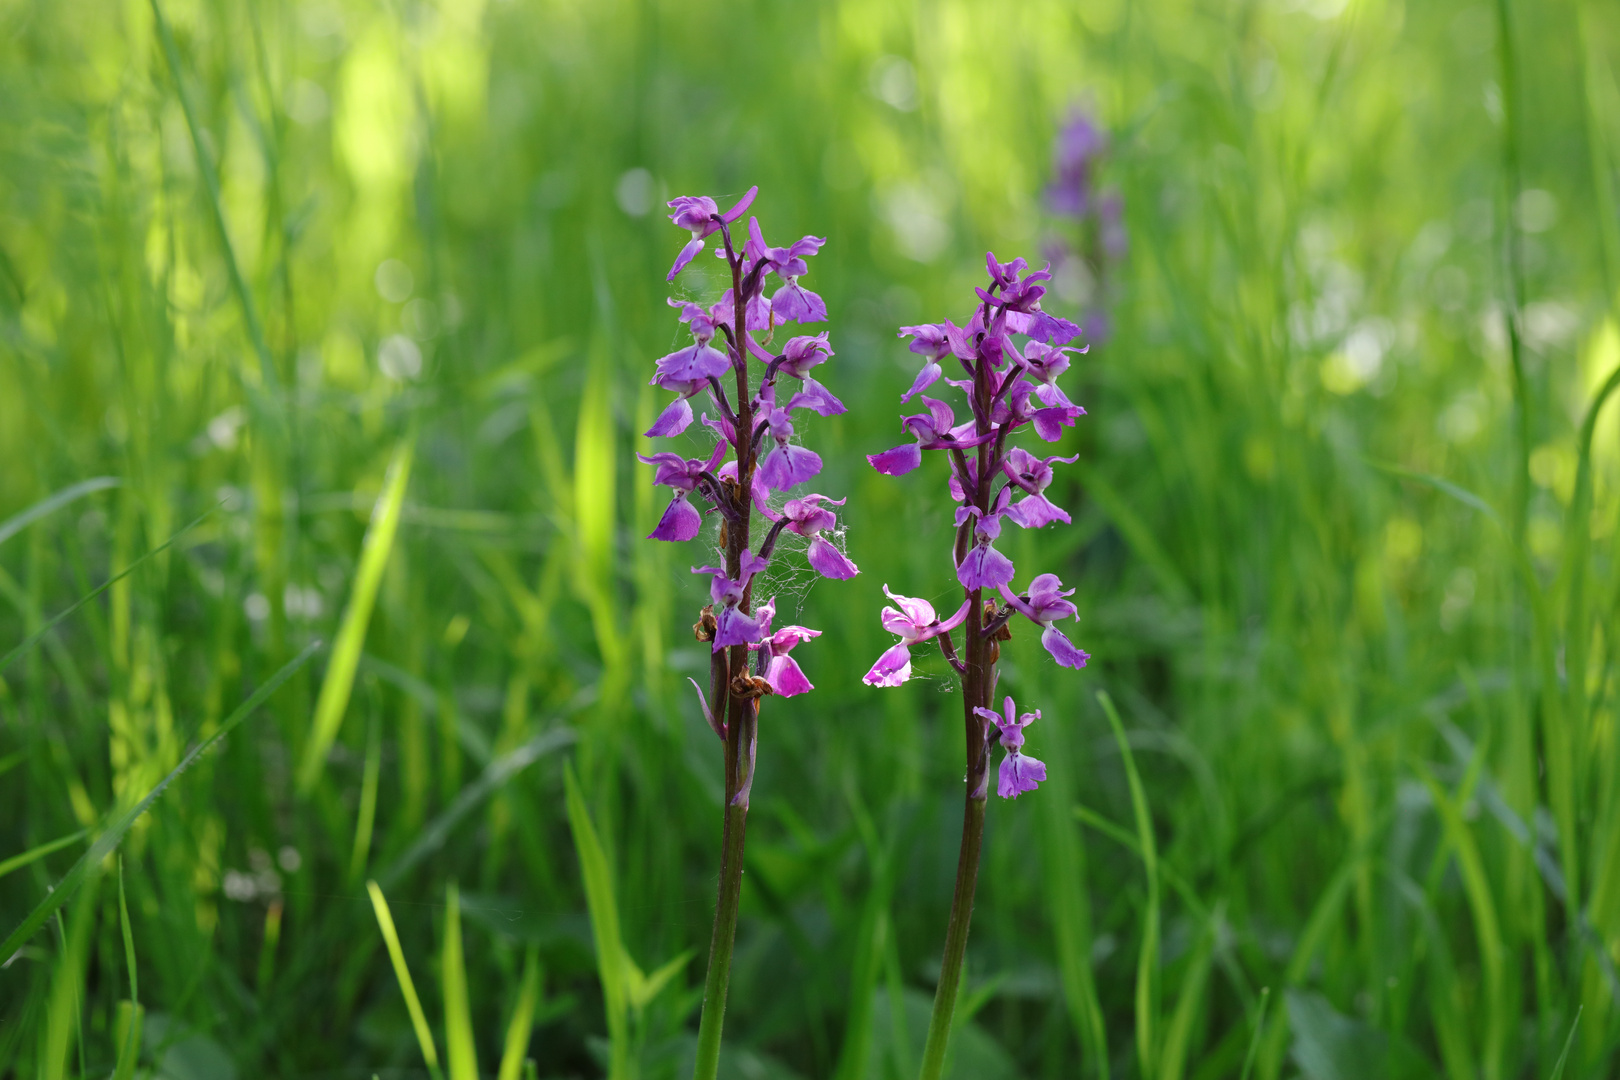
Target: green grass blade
[[351, 635], [128, 1028], [128, 936], [515, 1051], [210, 175], [1569, 1041], [16, 862], [1069, 908], [460, 1049], [402, 973], [34, 638], [495, 774], [599, 899], [1259, 1029], [16, 523], [1477, 887], [1178, 1034], [110, 837], [1147, 962], [62, 1016], [366, 816]]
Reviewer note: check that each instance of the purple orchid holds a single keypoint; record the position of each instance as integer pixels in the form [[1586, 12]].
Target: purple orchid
[[792, 301], [786, 464], [780, 670], [1093, 238], [983, 566], [1033, 475], [933, 341], [733, 625], [681, 520], [701, 216], [809, 517], [916, 622], [935, 429], [1012, 354], [1044, 604], [756, 455], [1019, 772]]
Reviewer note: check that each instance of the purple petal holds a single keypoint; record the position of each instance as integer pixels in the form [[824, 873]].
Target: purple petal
[[901, 459], [927, 377], [681, 520], [798, 304], [829, 562], [673, 420], [696, 362], [1062, 649], [732, 627], [742, 205], [984, 567], [892, 668], [786, 677], [1036, 512], [817, 399], [1049, 423], [1019, 773], [788, 465], [687, 254]]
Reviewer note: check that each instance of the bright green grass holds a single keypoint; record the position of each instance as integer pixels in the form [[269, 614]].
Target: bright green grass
[[1344, 537]]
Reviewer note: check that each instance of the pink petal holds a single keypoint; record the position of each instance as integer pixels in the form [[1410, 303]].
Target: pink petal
[[786, 677], [892, 668], [829, 562]]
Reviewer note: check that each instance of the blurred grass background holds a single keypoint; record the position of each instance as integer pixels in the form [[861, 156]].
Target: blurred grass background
[[1345, 522]]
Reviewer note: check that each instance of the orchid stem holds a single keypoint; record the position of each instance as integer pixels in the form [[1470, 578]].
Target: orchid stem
[[742, 723], [720, 945], [977, 682]]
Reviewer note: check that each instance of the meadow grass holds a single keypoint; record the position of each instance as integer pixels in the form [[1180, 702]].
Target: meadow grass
[[324, 329]]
